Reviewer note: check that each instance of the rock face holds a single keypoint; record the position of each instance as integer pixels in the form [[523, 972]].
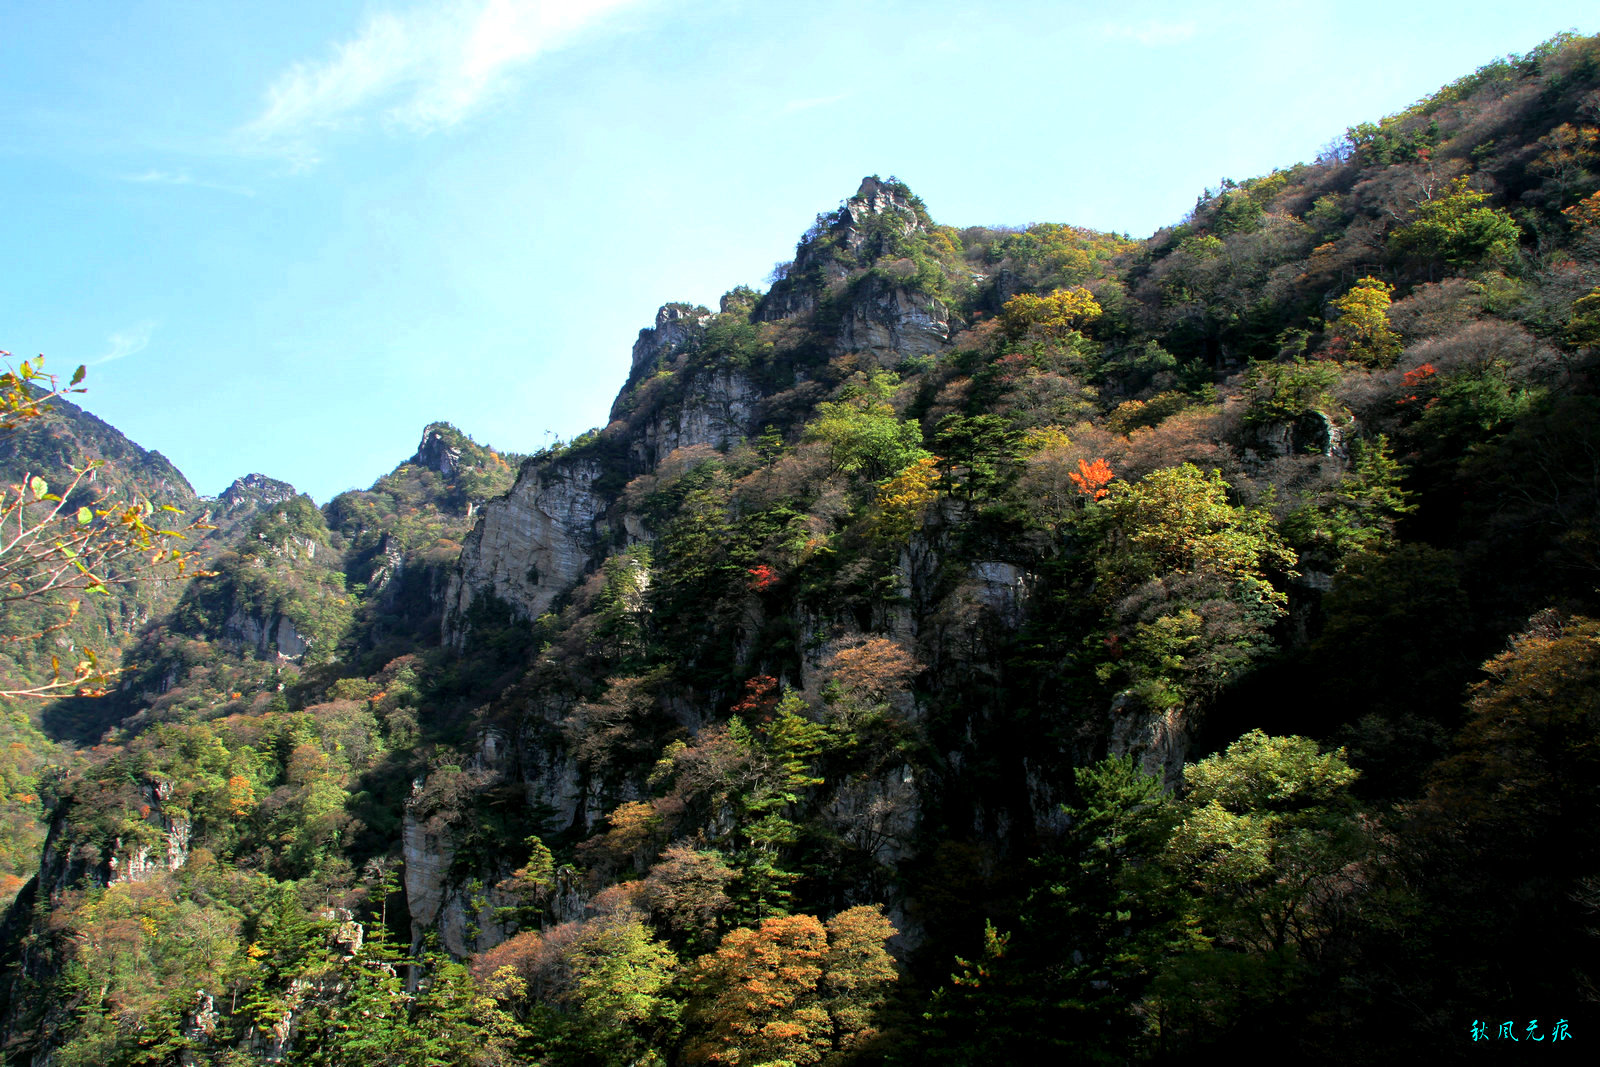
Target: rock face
[[389, 569], [465, 910], [878, 815], [247, 497], [853, 222], [891, 323], [427, 858], [136, 863], [677, 326], [438, 450], [877, 316], [532, 544], [1002, 588], [1312, 432], [850, 229], [559, 521], [269, 635], [162, 844], [200, 1026], [466, 921], [717, 411], [1158, 739]]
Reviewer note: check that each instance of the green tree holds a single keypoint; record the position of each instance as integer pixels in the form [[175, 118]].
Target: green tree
[[863, 434], [1100, 918], [1186, 580], [1266, 828], [1458, 231], [1179, 520], [620, 991], [979, 454], [1359, 515], [1267, 835], [1286, 390]]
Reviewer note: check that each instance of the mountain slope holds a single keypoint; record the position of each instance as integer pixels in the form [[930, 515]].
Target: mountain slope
[[1095, 625]]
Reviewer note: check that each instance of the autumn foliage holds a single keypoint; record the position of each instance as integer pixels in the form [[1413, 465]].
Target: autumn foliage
[[760, 697], [904, 499], [1092, 478], [1062, 311], [790, 990], [1416, 378], [1363, 323], [873, 668]]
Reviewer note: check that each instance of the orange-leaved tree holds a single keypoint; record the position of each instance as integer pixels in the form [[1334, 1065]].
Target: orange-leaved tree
[[791, 990], [1092, 478]]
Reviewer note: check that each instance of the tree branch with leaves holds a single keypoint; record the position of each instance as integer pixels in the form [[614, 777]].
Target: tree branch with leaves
[[71, 539]]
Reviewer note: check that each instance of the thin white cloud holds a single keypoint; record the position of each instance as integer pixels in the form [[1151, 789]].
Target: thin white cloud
[[161, 177], [422, 70], [183, 177], [127, 342], [818, 101], [1152, 33]]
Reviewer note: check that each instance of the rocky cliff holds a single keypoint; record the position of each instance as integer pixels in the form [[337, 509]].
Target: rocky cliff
[[532, 546]]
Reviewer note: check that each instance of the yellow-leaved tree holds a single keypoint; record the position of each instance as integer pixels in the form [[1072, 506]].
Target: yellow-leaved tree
[[1363, 323], [1056, 315]]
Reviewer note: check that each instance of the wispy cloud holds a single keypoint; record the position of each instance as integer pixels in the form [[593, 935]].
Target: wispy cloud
[[817, 101], [1152, 32], [183, 177], [125, 343], [421, 70]]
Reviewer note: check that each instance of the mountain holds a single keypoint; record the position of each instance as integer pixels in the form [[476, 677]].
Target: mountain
[[67, 438], [986, 645]]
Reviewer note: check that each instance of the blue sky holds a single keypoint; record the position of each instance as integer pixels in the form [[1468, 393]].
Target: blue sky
[[285, 237]]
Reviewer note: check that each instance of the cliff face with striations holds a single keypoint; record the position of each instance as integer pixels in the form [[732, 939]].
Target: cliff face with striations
[[532, 545]]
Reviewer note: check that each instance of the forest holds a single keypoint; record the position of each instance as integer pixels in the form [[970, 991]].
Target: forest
[[984, 645]]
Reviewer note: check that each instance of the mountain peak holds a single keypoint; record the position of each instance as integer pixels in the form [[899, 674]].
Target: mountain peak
[[255, 490], [875, 196], [440, 448]]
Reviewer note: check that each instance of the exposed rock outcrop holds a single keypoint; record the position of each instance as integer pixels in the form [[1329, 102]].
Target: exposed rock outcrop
[[159, 846], [266, 635], [1003, 589], [438, 450], [199, 1027], [891, 323], [1312, 432], [878, 815], [677, 326], [247, 497], [875, 205], [532, 544], [1158, 739], [853, 223], [428, 857], [717, 410]]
